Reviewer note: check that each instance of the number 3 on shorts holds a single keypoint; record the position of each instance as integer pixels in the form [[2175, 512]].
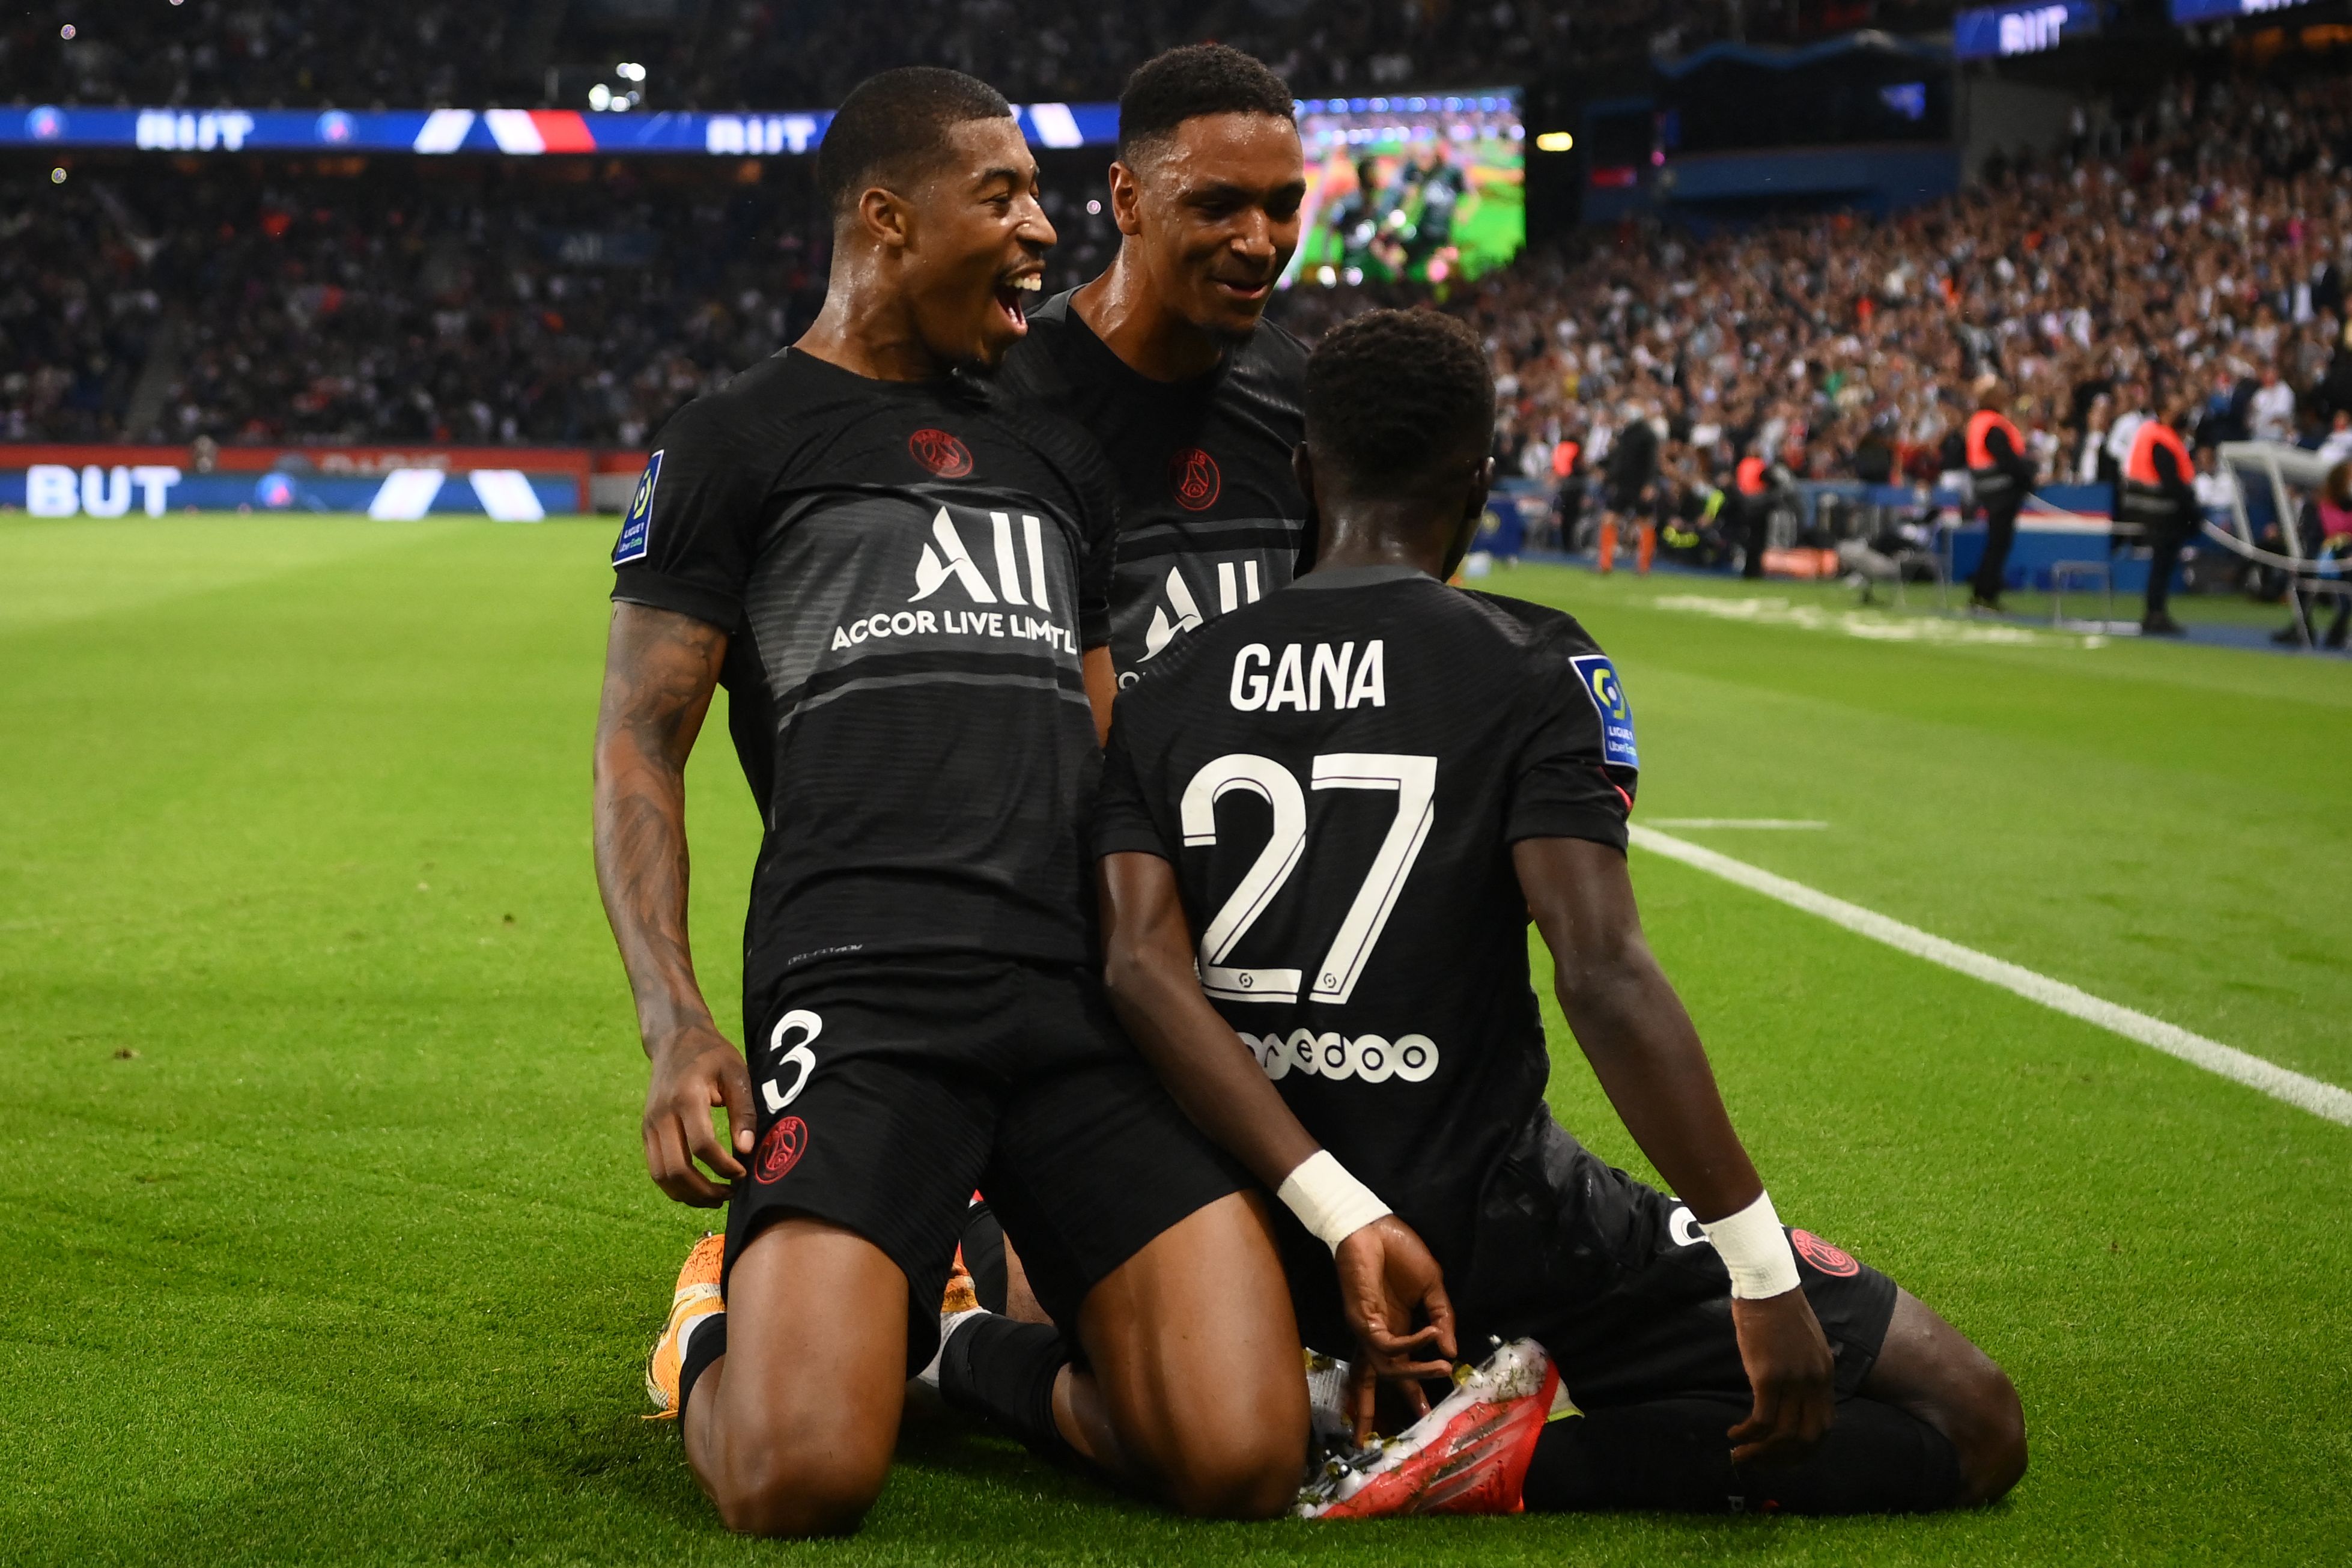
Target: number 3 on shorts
[[800, 1056]]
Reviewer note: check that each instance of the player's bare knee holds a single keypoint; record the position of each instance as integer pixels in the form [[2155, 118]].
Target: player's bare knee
[[1248, 1477], [1990, 1433], [1973, 1404], [796, 1491], [1935, 1372]]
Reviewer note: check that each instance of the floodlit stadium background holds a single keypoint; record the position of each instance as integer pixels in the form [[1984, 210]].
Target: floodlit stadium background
[[327, 1233]]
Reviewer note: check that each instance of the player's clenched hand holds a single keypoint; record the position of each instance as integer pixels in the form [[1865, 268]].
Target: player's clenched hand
[[693, 1070], [1386, 1278], [1790, 1368]]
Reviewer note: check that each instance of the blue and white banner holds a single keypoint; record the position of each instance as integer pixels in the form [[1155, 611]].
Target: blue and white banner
[[504, 494], [1999, 32], [513, 133], [2187, 11]]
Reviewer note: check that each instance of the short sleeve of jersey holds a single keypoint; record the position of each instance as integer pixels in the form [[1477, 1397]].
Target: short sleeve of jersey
[[1123, 822], [1575, 771], [693, 524]]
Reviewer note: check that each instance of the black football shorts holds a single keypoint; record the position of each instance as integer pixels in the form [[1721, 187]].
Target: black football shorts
[[887, 1095], [1614, 1279]]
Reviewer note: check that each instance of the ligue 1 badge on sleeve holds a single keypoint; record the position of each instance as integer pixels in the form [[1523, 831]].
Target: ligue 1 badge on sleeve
[[1600, 679], [636, 529]]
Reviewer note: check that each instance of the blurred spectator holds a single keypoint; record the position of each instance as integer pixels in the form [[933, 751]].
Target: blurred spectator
[[2273, 407]]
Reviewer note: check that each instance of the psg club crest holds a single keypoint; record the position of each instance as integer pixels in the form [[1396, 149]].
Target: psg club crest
[[782, 1148], [1193, 475], [1829, 1259], [940, 452]]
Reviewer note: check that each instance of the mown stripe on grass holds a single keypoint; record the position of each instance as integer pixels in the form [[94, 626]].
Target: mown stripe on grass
[[2280, 1083]]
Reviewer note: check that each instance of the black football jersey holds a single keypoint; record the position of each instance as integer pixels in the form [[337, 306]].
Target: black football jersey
[[1338, 774], [909, 572], [1210, 516]]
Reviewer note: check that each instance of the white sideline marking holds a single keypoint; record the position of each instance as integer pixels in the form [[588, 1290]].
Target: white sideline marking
[[1873, 626], [2323, 1100], [1761, 822]]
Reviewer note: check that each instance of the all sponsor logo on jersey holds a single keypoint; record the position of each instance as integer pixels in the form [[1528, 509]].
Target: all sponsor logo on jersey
[[1600, 679], [782, 1148], [1238, 583], [1018, 556], [940, 452], [1369, 1059], [1193, 475], [637, 527]]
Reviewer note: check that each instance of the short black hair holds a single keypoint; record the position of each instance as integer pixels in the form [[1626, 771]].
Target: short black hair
[[1198, 79], [1394, 396], [894, 126]]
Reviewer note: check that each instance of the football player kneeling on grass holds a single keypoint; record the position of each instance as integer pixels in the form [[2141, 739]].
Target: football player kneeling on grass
[[904, 581], [1324, 822]]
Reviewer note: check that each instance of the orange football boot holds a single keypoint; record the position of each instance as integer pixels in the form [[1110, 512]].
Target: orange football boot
[[696, 1297]]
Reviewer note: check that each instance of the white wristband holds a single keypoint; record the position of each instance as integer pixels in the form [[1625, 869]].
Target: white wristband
[[1327, 1200], [1755, 1250]]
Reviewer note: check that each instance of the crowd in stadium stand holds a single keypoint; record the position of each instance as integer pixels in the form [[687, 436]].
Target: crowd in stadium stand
[[1075, 51], [79, 312], [514, 310], [2203, 245], [771, 54], [496, 304], [252, 54]]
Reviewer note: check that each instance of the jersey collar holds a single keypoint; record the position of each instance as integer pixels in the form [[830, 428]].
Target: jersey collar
[[1360, 577]]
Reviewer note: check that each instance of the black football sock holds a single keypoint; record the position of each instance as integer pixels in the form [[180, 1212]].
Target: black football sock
[[1005, 1371], [1671, 1455], [983, 1254], [706, 1344]]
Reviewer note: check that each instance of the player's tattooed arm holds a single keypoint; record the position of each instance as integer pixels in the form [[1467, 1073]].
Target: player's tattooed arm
[[661, 669], [1646, 1053], [1388, 1277]]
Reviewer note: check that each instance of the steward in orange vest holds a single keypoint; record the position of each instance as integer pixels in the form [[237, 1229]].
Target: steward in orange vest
[[2159, 500], [2000, 475], [2160, 486], [1998, 468]]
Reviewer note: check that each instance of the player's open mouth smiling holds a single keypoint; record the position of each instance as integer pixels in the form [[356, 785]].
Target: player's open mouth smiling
[[1244, 287], [1012, 297]]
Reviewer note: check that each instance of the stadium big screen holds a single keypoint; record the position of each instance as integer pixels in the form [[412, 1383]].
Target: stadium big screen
[[1426, 188]]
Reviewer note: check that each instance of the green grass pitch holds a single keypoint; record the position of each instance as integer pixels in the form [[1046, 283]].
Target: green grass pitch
[[324, 1234]]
